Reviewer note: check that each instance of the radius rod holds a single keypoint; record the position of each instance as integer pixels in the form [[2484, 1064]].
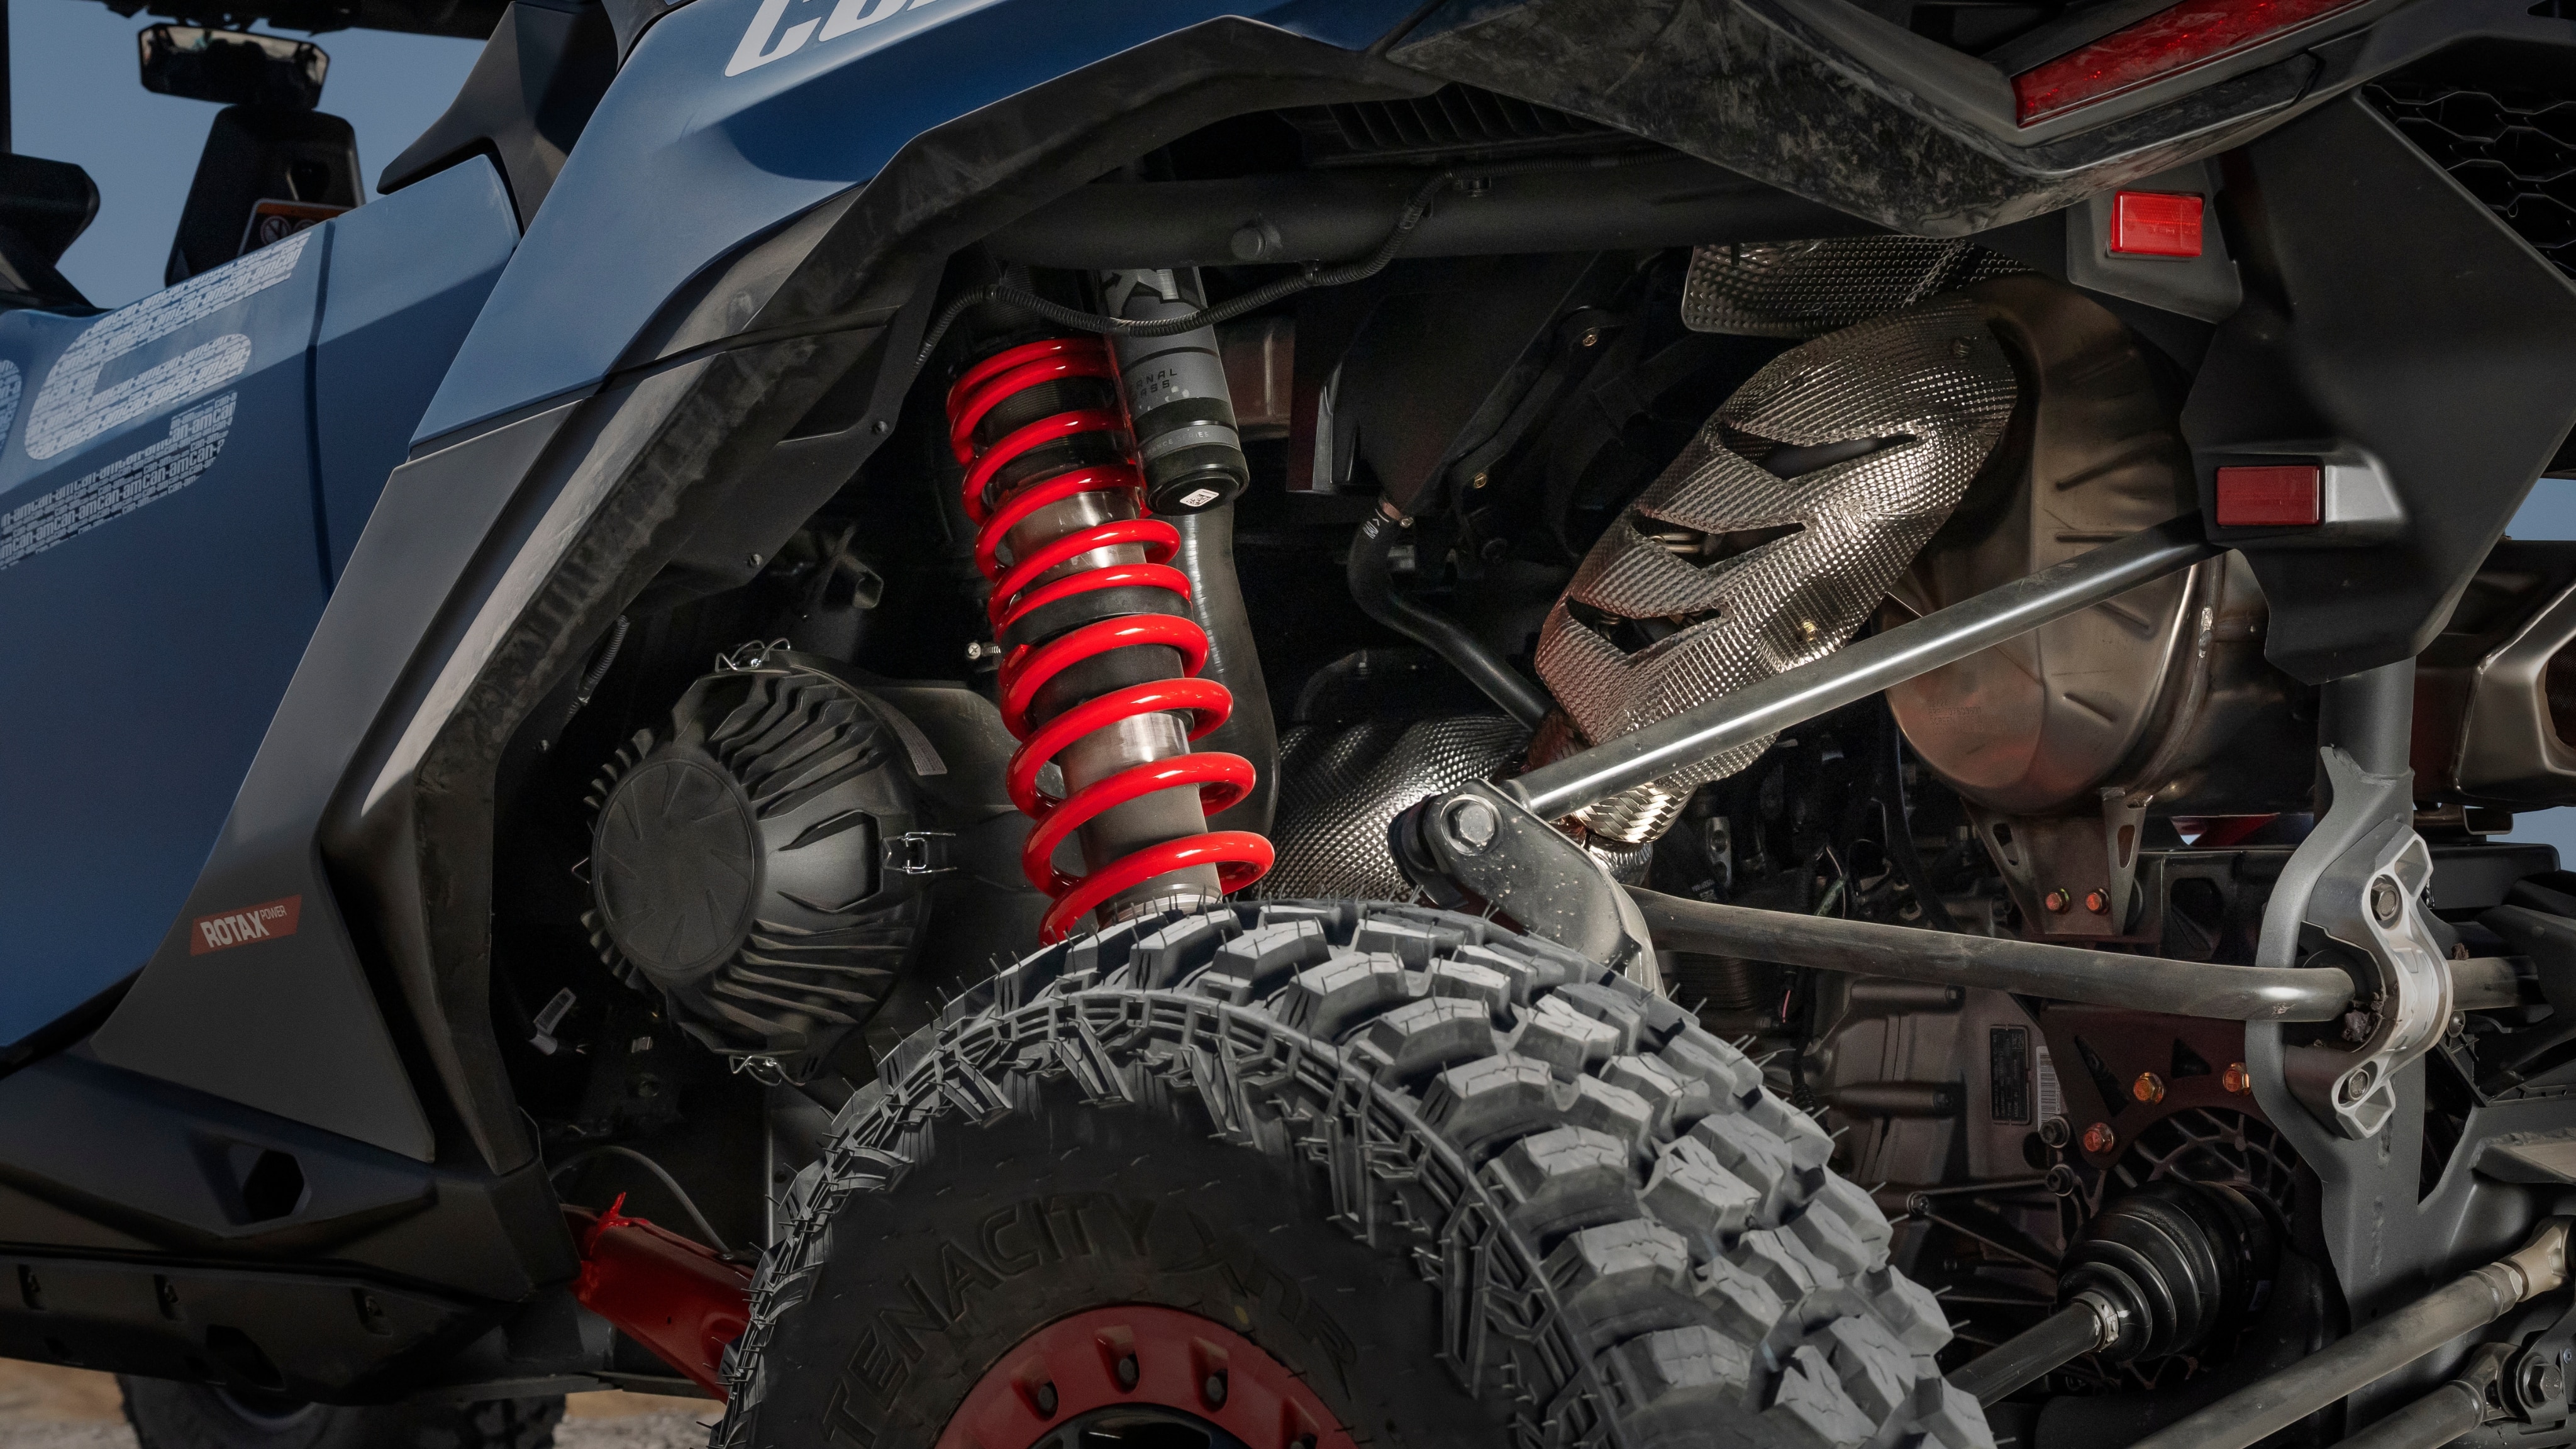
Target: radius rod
[[1999, 963]]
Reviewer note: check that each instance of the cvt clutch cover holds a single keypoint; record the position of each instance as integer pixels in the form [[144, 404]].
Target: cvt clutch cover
[[758, 865]]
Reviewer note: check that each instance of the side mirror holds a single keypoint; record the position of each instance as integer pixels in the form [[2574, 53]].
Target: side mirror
[[233, 67]]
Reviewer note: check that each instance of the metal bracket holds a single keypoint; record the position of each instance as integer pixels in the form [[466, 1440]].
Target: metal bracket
[[1477, 846], [2369, 896]]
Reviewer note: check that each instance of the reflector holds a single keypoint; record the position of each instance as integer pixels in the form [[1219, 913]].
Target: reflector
[[2290, 495], [2155, 224]]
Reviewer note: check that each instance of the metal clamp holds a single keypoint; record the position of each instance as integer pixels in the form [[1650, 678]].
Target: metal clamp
[[2370, 898]]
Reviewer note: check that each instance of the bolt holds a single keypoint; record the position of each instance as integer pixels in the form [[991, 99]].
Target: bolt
[[981, 649], [2054, 1132], [2099, 1138], [1045, 1396], [1128, 1372], [2062, 1181], [2356, 1085], [1214, 1390], [1481, 480], [881, 427], [2386, 900], [2237, 1080], [2057, 902], [1473, 825], [2098, 902], [754, 560], [1591, 337], [2147, 1089]]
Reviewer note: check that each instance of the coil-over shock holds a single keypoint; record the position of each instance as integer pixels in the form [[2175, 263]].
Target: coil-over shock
[[1100, 655]]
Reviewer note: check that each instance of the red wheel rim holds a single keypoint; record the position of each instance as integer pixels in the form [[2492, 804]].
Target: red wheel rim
[[1076, 1363]]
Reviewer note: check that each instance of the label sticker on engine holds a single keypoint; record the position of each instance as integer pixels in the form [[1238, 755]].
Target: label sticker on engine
[[251, 924], [2008, 1072]]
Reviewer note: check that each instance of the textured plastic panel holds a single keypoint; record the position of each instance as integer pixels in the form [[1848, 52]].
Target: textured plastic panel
[[2513, 147]]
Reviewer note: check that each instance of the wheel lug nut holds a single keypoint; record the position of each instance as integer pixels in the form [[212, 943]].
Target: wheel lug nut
[[1214, 1390], [1127, 1372], [1045, 1396]]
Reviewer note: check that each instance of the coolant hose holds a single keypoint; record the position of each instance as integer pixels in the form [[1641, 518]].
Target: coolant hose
[[1216, 601], [1373, 588]]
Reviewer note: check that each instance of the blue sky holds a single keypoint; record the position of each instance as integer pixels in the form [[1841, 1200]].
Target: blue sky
[[2550, 512], [75, 97]]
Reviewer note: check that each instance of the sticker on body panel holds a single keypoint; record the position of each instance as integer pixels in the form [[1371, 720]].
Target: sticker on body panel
[[224, 930], [765, 42]]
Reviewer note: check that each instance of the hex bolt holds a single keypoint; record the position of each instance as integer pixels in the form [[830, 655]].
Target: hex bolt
[[2238, 1081], [2147, 1088], [2098, 902], [1128, 1372], [1473, 825], [2355, 1085], [2055, 1132], [2386, 900], [1214, 1390], [2099, 1138], [2057, 902], [1045, 1396], [2062, 1181]]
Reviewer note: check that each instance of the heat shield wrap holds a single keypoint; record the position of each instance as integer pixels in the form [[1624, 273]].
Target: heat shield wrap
[[1724, 572]]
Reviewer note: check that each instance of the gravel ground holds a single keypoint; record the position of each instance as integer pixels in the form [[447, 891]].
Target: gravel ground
[[44, 1407], [649, 1431]]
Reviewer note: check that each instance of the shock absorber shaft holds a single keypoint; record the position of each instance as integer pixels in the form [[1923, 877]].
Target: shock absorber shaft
[[1100, 656]]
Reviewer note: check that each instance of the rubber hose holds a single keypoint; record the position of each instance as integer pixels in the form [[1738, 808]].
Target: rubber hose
[[1234, 660], [1373, 588]]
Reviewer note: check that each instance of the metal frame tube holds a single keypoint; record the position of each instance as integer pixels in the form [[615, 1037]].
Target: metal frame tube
[[2060, 973], [1860, 669], [2435, 1419]]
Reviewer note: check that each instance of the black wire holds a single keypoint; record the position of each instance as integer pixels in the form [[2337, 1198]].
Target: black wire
[[1253, 301], [714, 1239]]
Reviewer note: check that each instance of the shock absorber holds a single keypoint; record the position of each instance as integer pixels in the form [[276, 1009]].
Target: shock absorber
[[1100, 656]]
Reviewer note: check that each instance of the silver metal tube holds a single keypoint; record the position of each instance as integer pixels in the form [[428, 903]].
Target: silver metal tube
[[2077, 1329], [2060, 973], [2435, 1419], [2261, 1409], [1860, 669]]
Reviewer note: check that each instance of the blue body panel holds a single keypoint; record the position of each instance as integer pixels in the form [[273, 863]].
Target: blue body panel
[[408, 275], [163, 540], [752, 149]]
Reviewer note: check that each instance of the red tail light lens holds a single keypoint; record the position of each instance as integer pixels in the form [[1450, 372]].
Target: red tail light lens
[[2195, 32]]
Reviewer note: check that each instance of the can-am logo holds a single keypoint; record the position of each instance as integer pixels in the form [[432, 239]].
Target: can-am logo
[[226, 929], [765, 42]]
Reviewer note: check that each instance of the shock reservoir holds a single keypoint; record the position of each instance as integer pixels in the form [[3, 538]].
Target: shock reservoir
[[1186, 441]]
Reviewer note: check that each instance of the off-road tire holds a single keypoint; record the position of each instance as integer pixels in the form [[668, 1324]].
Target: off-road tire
[[1471, 1188], [168, 1415]]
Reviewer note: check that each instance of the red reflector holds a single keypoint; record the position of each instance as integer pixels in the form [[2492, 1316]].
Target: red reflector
[[2195, 32], [2155, 224], [2281, 496]]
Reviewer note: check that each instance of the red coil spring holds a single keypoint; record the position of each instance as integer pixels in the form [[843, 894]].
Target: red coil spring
[[1240, 857]]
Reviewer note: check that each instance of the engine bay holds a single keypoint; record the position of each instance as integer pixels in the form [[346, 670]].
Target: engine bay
[[1496, 499]]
